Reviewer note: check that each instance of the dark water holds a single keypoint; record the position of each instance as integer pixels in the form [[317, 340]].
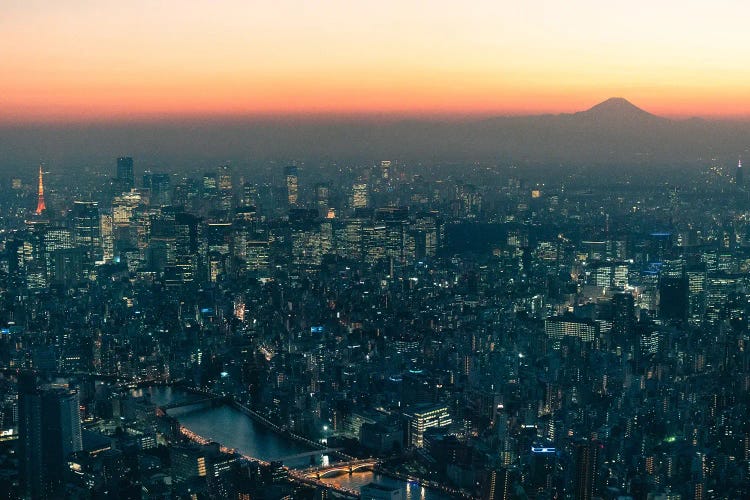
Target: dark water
[[234, 429]]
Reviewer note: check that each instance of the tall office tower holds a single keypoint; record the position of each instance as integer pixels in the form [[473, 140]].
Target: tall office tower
[[186, 245], [250, 194], [738, 176], [385, 170], [108, 238], [292, 185], [623, 314], [49, 426], [498, 485], [224, 183], [210, 185], [61, 432], [258, 255], [40, 205], [161, 190], [30, 464], [697, 278], [586, 459], [322, 197], [55, 240], [673, 298], [147, 175], [87, 229], [31, 254], [360, 195], [125, 172]]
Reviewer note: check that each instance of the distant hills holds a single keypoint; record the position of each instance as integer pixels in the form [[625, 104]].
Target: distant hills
[[616, 109], [614, 132]]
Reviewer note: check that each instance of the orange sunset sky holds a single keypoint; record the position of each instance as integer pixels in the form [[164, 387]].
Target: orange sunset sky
[[80, 60]]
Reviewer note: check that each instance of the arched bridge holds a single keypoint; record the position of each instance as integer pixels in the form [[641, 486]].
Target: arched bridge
[[340, 467]]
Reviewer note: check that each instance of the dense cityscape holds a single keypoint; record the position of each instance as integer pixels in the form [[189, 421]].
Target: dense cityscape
[[383, 330]]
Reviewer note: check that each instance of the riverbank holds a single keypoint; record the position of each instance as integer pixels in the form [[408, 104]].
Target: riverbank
[[252, 435]]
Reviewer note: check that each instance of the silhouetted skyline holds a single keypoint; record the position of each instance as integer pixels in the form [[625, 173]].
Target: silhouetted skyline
[[613, 132]]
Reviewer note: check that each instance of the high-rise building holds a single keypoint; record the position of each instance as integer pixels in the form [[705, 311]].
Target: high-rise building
[[63, 261], [159, 187], [673, 298], [385, 170], [586, 457], [258, 255], [87, 229], [697, 278], [292, 185], [424, 417], [210, 185], [322, 197], [49, 431], [739, 178], [249, 194], [360, 195], [623, 314], [125, 175], [30, 463], [224, 184], [497, 485]]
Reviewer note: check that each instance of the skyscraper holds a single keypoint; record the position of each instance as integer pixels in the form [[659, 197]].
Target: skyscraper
[[586, 458], [159, 186], [61, 431], [322, 195], [497, 484], [623, 314], [49, 427], [224, 183], [673, 298], [360, 195], [249, 194], [385, 170], [290, 173], [125, 172], [30, 436], [87, 230], [738, 176]]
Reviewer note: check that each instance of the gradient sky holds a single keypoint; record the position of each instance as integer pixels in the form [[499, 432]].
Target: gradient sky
[[76, 60]]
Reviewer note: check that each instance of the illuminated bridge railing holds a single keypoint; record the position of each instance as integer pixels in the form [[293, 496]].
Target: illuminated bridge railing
[[350, 466]]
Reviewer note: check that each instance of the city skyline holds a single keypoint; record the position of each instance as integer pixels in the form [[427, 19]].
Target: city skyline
[[113, 62], [374, 250]]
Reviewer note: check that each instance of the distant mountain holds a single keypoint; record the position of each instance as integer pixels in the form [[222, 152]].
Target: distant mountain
[[616, 108], [612, 133]]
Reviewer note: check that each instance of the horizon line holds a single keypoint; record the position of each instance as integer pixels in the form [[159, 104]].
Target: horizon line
[[319, 116]]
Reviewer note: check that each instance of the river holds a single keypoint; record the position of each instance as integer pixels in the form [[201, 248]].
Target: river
[[234, 429]]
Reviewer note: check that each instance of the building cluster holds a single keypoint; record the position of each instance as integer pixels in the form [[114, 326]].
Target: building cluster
[[495, 337]]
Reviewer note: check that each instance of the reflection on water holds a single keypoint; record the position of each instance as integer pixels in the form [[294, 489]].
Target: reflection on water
[[234, 429], [411, 491], [229, 427]]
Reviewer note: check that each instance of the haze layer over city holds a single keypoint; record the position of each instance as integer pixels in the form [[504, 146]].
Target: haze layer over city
[[376, 250]]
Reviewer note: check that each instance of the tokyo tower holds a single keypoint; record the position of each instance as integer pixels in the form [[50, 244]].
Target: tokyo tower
[[40, 206]]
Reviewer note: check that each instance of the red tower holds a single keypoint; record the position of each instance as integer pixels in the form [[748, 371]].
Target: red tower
[[40, 206]]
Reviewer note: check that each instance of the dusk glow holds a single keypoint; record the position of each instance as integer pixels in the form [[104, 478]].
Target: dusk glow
[[81, 60]]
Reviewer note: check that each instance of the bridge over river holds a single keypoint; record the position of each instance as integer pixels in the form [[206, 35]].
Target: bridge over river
[[238, 430]]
